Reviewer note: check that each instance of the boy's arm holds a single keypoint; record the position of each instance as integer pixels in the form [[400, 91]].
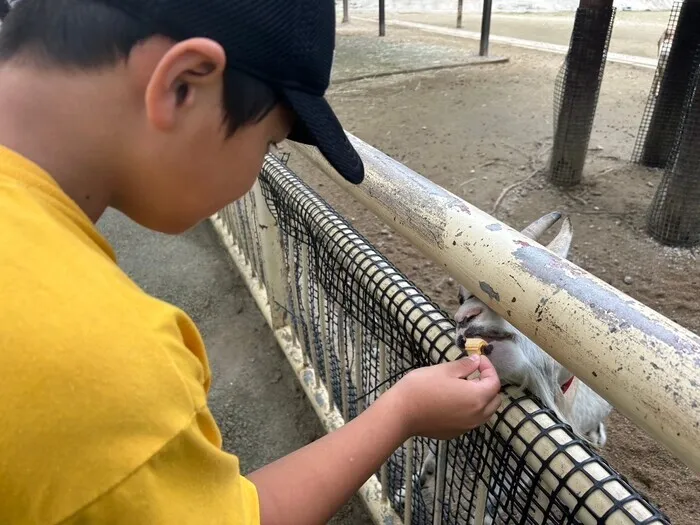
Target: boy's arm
[[311, 484]]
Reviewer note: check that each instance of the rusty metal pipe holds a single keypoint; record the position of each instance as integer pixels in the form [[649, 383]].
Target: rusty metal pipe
[[647, 366]]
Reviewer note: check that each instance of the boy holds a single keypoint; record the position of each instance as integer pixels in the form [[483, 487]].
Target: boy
[[163, 109]]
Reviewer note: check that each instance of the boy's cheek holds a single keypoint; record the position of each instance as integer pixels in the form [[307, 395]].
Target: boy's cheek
[[198, 179]]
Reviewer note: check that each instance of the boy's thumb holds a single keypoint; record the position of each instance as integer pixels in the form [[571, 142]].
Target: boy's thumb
[[465, 366]]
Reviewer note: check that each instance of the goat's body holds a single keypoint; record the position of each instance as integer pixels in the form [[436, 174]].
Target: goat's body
[[538, 372], [587, 414]]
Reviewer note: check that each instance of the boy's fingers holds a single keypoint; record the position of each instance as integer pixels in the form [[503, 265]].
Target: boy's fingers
[[489, 382], [486, 366], [463, 367], [493, 406]]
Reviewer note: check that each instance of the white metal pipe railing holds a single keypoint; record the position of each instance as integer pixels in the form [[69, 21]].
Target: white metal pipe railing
[[647, 366]]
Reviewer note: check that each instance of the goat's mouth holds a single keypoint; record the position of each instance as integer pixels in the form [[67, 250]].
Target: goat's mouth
[[490, 336], [485, 333]]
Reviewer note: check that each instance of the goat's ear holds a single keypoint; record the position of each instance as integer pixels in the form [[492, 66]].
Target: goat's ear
[[561, 244], [463, 294], [536, 229]]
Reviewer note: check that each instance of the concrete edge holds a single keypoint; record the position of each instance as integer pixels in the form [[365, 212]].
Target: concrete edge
[[630, 60], [371, 492]]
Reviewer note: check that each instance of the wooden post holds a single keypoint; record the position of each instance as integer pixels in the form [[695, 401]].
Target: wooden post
[[580, 88], [460, 5], [674, 217], [674, 85]]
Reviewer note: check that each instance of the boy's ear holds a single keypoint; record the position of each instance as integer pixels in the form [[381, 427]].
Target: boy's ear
[[180, 76]]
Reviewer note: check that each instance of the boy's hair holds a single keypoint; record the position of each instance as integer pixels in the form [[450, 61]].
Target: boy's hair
[[89, 35], [4, 8]]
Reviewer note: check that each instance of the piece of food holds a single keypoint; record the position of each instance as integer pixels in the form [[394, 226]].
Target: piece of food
[[475, 345]]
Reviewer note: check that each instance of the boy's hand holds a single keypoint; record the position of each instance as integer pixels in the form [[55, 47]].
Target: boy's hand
[[311, 484], [437, 402]]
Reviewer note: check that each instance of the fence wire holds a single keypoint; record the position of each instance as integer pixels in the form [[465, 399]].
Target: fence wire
[[576, 93], [362, 325]]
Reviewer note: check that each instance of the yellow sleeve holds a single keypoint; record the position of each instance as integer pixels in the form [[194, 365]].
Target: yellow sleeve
[[189, 481]]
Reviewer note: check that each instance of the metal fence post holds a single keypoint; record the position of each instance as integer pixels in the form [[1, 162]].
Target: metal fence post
[[274, 269], [485, 29], [382, 18], [346, 11]]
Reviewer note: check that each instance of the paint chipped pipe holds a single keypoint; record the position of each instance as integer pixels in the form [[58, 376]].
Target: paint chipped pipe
[[647, 366]]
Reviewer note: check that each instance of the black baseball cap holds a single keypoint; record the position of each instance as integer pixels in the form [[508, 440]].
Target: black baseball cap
[[288, 44]]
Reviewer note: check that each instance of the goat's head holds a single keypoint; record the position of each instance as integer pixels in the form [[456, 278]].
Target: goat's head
[[475, 319]]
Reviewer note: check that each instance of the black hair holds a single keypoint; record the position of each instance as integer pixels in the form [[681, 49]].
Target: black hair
[[89, 35], [4, 8]]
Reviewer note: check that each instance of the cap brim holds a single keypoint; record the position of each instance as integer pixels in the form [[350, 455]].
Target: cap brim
[[317, 125]]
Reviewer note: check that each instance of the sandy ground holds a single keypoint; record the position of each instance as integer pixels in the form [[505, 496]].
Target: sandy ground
[[261, 410], [633, 33], [475, 130]]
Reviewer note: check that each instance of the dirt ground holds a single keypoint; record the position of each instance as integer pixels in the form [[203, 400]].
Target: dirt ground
[[475, 130]]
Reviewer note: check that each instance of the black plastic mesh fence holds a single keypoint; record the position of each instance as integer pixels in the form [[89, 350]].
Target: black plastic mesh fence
[[678, 62], [363, 325], [674, 214], [576, 93], [664, 48]]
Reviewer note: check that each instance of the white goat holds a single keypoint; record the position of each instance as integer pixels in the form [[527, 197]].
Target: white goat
[[520, 362]]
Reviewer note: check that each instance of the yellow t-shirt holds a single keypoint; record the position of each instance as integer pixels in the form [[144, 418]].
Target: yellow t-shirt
[[103, 415]]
